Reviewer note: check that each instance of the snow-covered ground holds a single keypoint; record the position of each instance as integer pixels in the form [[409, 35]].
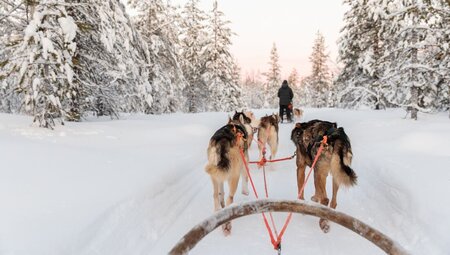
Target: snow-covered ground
[[137, 185]]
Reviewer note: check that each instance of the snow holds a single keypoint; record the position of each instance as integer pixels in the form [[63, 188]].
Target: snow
[[68, 27], [137, 185]]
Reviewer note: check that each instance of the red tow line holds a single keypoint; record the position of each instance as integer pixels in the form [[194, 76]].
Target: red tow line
[[277, 242]]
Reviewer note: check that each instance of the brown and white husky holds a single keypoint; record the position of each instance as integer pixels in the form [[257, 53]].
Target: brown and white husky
[[268, 134], [225, 163], [298, 113], [335, 158]]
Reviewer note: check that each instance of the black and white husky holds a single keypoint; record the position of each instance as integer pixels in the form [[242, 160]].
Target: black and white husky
[[225, 163]]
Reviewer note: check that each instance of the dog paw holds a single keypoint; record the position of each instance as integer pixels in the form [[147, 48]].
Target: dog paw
[[324, 225], [226, 228]]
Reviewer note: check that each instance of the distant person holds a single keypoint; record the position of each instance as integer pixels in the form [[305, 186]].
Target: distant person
[[285, 94]]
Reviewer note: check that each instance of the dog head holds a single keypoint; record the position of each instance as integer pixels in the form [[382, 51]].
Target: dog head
[[241, 117], [238, 127]]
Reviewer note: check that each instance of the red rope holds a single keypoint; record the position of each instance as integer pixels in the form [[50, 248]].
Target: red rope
[[266, 223], [288, 220], [267, 196], [276, 243]]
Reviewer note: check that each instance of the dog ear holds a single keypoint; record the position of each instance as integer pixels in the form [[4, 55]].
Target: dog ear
[[241, 118], [298, 125]]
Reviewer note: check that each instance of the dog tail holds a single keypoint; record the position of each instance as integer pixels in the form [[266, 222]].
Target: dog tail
[[223, 147], [342, 159], [345, 161], [218, 159]]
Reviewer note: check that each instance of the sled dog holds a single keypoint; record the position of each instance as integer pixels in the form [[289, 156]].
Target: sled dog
[[268, 134], [225, 163], [335, 158], [298, 113]]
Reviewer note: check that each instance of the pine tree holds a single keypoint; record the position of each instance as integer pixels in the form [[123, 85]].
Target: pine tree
[[157, 23], [42, 70], [111, 63], [223, 89], [319, 81], [13, 20], [192, 43], [77, 58], [273, 80], [253, 92], [294, 82], [412, 74], [360, 52]]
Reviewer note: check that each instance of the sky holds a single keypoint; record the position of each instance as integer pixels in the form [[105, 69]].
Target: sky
[[290, 24]]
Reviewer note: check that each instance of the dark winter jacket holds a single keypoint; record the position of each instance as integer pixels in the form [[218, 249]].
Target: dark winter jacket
[[285, 94]]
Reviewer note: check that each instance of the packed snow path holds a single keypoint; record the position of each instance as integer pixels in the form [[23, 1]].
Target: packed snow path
[[137, 185]]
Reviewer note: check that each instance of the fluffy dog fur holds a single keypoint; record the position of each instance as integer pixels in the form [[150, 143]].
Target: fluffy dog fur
[[336, 158], [225, 163], [254, 122], [246, 122], [268, 134]]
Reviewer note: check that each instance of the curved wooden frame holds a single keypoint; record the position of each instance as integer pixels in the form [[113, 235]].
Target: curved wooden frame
[[270, 205]]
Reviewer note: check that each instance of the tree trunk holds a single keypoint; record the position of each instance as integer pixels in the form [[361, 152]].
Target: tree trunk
[[414, 100], [413, 78]]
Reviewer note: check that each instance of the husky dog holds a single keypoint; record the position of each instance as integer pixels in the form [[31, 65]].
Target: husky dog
[[268, 134], [298, 113], [225, 163], [336, 158]]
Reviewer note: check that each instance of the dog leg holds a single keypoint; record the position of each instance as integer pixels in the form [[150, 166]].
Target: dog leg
[[216, 194], [320, 196], [320, 182], [273, 143], [221, 195], [232, 184], [261, 145], [300, 178], [333, 203], [244, 181]]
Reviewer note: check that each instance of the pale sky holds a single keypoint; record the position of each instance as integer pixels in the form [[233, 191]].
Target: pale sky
[[290, 24]]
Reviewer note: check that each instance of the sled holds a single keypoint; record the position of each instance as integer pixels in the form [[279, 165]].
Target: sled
[[296, 206]]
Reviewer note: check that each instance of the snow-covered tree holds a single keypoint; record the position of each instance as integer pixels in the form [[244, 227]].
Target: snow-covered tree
[[360, 52], [223, 89], [157, 22], [13, 20], [294, 82], [192, 43], [319, 81], [394, 54], [42, 68], [253, 93], [74, 58], [111, 62], [412, 44], [273, 79]]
